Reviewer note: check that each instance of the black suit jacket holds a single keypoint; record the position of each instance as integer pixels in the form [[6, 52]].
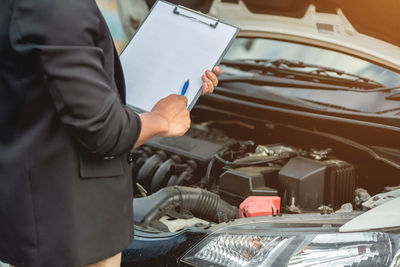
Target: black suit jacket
[[65, 185]]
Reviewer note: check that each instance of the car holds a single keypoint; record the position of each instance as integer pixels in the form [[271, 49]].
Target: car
[[294, 160]]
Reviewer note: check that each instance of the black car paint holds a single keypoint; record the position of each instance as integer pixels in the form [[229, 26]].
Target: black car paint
[[160, 249]]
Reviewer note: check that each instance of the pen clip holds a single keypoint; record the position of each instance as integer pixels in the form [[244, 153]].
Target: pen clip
[[213, 25]]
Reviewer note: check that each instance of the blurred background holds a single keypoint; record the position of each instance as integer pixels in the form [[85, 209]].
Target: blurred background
[[372, 17], [109, 9]]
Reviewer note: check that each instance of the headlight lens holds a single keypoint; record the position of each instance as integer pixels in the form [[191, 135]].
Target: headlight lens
[[351, 249], [317, 249], [239, 250]]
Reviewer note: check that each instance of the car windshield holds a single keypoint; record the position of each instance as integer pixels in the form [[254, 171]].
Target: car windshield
[[266, 49]]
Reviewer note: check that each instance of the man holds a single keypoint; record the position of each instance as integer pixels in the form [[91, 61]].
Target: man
[[65, 185]]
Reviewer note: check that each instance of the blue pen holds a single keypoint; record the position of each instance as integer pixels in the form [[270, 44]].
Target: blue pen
[[185, 87]]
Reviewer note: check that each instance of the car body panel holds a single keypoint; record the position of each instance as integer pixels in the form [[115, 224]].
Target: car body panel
[[331, 31]]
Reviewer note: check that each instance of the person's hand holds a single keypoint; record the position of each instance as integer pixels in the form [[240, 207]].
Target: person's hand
[[210, 80], [173, 109]]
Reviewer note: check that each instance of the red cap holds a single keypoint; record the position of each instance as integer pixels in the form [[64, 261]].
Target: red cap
[[259, 206]]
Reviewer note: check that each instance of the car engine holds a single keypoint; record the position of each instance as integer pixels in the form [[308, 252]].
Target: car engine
[[207, 167]]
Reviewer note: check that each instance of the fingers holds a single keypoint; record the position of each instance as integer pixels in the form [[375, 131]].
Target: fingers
[[185, 122], [184, 99], [170, 105], [210, 80], [180, 98], [212, 77], [205, 89], [179, 116], [217, 70], [208, 86]]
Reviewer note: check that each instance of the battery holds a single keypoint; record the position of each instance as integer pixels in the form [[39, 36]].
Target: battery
[[260, 206]]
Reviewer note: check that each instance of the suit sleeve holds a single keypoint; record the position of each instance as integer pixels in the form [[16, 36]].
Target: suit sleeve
[[61, 35]]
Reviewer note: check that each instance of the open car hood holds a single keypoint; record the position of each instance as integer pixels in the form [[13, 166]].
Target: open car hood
[[329, 30]]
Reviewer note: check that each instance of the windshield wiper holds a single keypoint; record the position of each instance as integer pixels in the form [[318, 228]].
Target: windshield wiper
[[321, 70], [263, 80], [314, 73]]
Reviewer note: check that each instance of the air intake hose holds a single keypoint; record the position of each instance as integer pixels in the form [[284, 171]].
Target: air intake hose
[[201, 203]]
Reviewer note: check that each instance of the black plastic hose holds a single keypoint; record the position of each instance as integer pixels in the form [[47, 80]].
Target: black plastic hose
[[201, 203]]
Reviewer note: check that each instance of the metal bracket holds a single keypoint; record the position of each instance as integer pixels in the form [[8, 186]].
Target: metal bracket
[[213, 25]]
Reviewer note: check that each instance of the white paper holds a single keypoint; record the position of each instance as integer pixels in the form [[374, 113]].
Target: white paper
[[169, 49]]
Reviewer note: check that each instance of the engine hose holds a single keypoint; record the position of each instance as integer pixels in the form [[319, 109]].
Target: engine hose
[[201, 203], [172, 180], [182, 177], [161, 175], [149, 167]]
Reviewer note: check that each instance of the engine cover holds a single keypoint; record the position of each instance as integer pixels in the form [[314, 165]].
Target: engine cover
[[238, 184], [187, 146], [312, 183]]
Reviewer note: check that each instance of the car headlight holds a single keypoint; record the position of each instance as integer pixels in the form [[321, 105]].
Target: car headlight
[[249, 248]]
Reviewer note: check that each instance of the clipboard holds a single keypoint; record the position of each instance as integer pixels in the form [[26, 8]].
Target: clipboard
[[173, 44]]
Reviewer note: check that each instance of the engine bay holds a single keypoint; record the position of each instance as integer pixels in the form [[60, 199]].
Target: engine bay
[[247, 175]]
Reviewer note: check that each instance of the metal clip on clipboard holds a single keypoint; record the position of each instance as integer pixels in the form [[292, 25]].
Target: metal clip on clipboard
[[213, 25]]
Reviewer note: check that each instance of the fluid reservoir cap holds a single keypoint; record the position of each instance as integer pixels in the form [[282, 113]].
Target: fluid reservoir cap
[[259, 206]]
